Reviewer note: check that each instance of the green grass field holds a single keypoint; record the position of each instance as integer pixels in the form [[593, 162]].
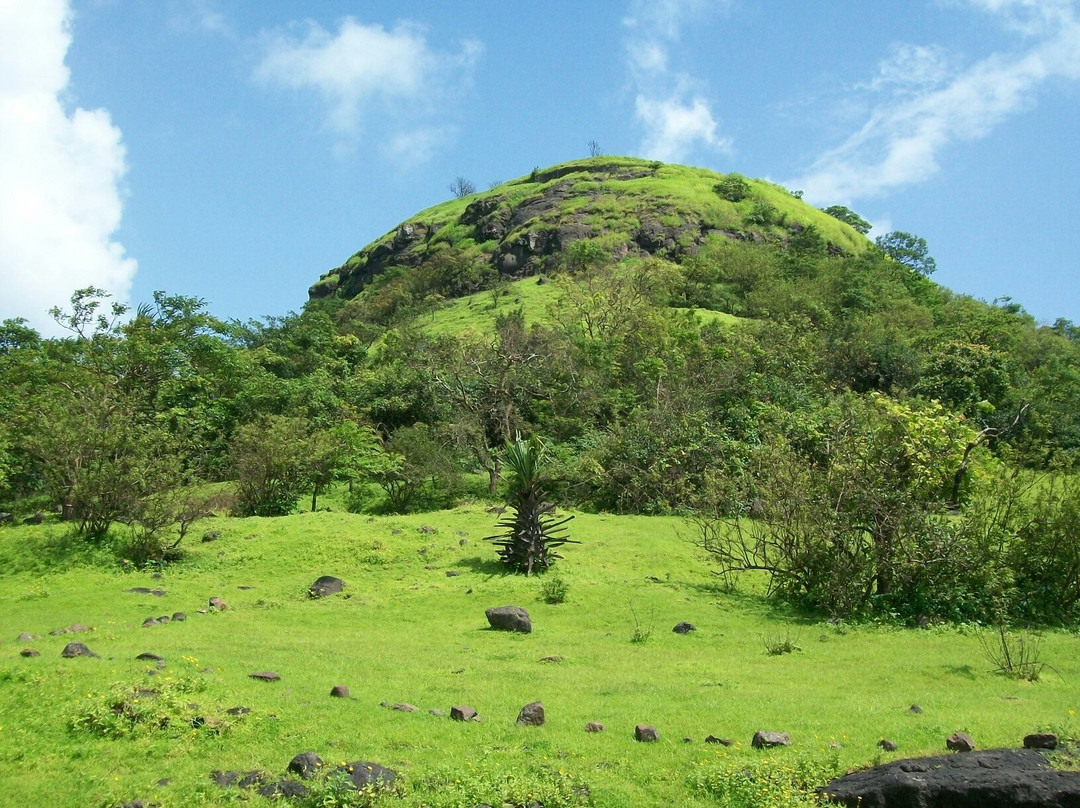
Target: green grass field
[[406, 631]]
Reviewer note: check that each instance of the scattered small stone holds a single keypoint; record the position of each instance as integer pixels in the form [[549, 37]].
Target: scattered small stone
[[211, 535], [531, 715], [179, 617], [339, 692], [646, 733], [150, 621], [29, 652], [552, 660], [76, 649], [363, 774], [253, 779], [224, 779], [721, 741], [915, 709], [326, 585], [264, 676], [25, 637], [452, 573], [960, 742], [164, 781], [1041, 740], [887, 745], [306, 764], [164, 619], [219, 604], [684, 628], [767, 740], [439, 713], [78, 628], [148, 657], [428, 529], [283, 788], [687, 739], [404, 707], [6, 518], [463, 713], [594, 726], [56, 632], [509, 618], [238, 710]]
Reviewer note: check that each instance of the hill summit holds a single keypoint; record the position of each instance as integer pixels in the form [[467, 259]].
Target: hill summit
[[628, 206]]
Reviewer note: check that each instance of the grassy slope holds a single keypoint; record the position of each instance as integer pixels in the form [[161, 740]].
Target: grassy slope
[[407, 632], [476, 313]]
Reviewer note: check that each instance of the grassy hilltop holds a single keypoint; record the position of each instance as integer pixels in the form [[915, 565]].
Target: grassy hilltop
[[405, 631]]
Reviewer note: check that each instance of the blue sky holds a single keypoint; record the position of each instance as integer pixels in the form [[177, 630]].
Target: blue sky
[[234, 150]]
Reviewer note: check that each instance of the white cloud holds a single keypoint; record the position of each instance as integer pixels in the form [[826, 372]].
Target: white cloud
[[61, 173], [674, 126], [199, 15], [366, 72], [906, 132], [669, 105]]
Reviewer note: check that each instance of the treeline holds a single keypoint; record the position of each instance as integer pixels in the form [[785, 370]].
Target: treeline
[[871, 426]]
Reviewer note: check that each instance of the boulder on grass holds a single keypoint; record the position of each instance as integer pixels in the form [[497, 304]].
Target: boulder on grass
[[993, 778], [531, 715], [646, 733], [767, 740], [1041, 740], [363, 774], [325, 586], [76, 649], [463, 713], [509, 618], [306, 764], [960, 742]]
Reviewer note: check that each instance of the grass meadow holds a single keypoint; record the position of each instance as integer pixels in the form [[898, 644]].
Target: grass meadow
[[410, 627]]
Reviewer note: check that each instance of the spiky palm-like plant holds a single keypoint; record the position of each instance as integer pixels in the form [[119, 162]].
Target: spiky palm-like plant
[[530, 533]]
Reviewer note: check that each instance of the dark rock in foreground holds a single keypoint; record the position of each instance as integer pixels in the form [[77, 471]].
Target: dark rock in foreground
[[994, 778], [29, 652], [340, 691], [509, 618], [684, 628], [306, 764], [1041, 740], [960, 742]]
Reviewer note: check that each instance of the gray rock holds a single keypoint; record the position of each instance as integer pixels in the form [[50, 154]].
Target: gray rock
[[363, 774], [179, 617], [531, 715], [594, 726], [915, 709], [339, 692], [264, 676], [150, 621], [405, 707], [1041, 740], [306, 764], [684, 628], [36, 519], [767, 740], [76, 649], [509, 618], [721, 741], [646, 733], [25, 637], [283, 788], [6, 518], [325, 586], [463, 713], [211, 535], [960, 742], [219, 604], [146, 656], [994, 778], [887, 745], [29, 652]]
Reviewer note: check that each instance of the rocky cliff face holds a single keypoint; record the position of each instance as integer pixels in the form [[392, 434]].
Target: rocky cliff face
[[633, 207]]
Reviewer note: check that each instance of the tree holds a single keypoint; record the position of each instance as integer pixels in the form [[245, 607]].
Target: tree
[[532, 532], [733, 188], [268, 459], [849, 217], [462, 187], [909, 250], [594, 149]]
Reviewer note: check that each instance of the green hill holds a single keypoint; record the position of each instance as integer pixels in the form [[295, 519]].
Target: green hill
[[630, 207]]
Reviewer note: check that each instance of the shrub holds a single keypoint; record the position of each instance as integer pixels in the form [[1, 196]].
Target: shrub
[[733, 188], [553, 590]]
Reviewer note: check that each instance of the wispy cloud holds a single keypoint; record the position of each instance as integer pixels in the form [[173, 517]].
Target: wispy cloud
[[925, 103], [61, 173], [366, 73], [669, 105], [199, 16]]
